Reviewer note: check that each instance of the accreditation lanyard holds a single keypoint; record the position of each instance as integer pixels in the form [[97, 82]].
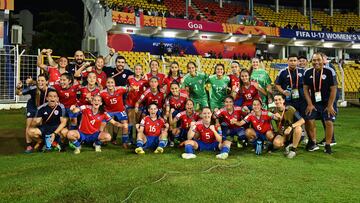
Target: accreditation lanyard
[[282, 116], [297, 79], [319, 79], [45, 95]]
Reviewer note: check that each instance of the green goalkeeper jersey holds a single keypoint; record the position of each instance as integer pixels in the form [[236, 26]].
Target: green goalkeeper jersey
[[196, 85], [218, 90]]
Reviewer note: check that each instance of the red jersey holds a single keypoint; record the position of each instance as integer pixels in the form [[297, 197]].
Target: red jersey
[[54, 74], [186, 120], [67, 96], [177, 103], [235, 81], [152, 127], [148, 97], [168, 80], [91, 123], [262, 124], [100, 77], [160, 77], [249, 94], [134, 95], [206, 135], [83, 92], [114, 102], [223, 114]]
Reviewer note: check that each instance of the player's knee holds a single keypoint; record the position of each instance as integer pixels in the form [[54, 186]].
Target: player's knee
[[269, 135], [227, 143], [189, 142], [278, 142], [298, 130], [328, 124]]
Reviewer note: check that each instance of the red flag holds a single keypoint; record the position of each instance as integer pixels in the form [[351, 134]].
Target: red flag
[[139, 19]]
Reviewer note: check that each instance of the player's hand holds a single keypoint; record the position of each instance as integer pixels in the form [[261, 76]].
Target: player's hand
[[87, 64], [72, 107], [256, 85], [277, 116], [136, 109], [245, 109], [310, 108], [212, 128], [43, 51], [111, 51], [144, 77], [192, 124], [330, 110], [270, 100], [172, 110], [19, 85], [288, 130], [49, 51], [89, 68], [233, 121]]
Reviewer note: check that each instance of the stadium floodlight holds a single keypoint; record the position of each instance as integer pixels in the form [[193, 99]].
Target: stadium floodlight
[[270, 46], [328, 44], [355, 46], [169, 34]]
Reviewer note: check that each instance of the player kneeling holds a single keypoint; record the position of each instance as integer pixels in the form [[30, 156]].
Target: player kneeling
[[289, 127], [51, 116], [205, 138], [152, 132], [90, 127]]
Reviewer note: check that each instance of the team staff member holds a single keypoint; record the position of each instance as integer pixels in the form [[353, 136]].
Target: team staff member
[[288, 127], [50, 120], [119, 73], [303, 62], [320, 87], [79, 61], [37, 94], [289, 82]]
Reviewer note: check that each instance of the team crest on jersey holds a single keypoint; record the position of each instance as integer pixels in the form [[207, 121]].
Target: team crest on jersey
[[200, 81], [28, 114], [124, 75], [56, 112], [300, 74], [323, 76], [45, 113]]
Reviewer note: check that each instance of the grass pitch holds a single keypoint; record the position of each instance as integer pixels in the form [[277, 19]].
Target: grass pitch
[[112, 175]]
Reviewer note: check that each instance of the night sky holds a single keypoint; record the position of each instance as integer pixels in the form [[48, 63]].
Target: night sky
[[73, 7]]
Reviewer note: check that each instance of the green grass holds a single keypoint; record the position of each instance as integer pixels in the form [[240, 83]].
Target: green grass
[[111, 175]]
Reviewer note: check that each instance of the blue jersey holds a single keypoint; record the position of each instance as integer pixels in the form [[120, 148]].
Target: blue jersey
[[119, 77], [296, 81], [51, 116], [328, 79]]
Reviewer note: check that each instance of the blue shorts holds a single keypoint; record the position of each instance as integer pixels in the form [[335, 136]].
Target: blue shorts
[[238, 102], [321, 114], [70, 114], [299, 105], [207, 146], [30, 112], [260, 136], [88, 138], [119, 116], [175, 113], [240, 132], [47, 130], [152, 142], [183, 134]]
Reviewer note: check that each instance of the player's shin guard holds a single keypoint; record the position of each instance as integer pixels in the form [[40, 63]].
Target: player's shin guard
[[139, 143], [162, 143], [189, 149], [225, 149]]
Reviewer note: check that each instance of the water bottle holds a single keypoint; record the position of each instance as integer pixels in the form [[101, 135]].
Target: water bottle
[[48, 142], [258, 149]]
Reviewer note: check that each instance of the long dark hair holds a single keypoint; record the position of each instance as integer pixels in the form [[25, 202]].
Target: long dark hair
[[170, 72], [245, 71], [219, 64], [38, 91], [69, 77]]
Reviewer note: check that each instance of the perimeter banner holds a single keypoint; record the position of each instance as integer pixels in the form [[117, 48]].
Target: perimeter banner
[[316, 35]]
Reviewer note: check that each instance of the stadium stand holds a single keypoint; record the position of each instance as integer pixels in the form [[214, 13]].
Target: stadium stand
[[123, 5], [284, 16], [211, 8], [178, 7], [339, 21]]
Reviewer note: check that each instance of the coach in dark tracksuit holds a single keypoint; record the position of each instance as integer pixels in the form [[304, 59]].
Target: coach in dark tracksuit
[[320, 87]]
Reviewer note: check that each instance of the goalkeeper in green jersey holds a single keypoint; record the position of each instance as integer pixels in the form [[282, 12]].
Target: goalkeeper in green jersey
[[194, 82], [219, 86]]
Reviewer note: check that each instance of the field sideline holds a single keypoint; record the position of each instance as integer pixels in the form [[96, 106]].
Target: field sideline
[[110, 176]]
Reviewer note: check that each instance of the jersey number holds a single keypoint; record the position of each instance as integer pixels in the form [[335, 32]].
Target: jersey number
[[248, 96], [258, 127], [113, 101], [152, 129], [207, 136], [66, 94]]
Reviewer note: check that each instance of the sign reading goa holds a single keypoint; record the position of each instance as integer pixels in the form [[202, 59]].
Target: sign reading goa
[[195, 26]]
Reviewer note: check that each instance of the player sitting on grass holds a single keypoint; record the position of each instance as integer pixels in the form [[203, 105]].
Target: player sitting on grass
[[50, 121], [288, 127], [90, 129], [225, 115], [203, 136], [261, 123], [152, 132]]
